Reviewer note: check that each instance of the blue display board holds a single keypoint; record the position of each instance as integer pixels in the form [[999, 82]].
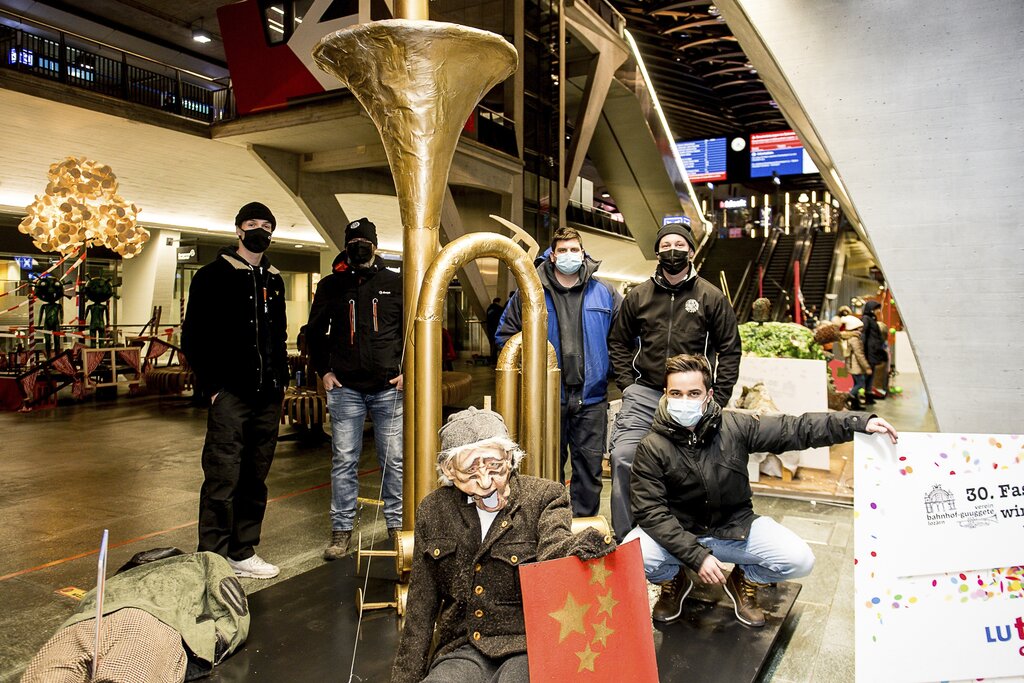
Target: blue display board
[[704, 160], [780, 152]]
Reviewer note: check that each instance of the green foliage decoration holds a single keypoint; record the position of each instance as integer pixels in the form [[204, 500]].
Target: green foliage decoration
[[779, 340]]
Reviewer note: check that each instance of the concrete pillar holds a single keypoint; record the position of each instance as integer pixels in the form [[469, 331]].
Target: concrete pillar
[[147, 280]]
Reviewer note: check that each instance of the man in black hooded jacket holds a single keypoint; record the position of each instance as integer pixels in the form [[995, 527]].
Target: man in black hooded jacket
[[691, 493], [234, 336], [676, 311], [355, 345]]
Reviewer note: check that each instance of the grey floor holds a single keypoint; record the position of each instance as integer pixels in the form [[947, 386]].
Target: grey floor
[[132, 466]]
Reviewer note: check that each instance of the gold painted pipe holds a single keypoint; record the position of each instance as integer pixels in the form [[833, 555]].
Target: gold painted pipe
[[418, 81], [552, 456], [412, 9], [429, 313], [506, 383], [507, 375]]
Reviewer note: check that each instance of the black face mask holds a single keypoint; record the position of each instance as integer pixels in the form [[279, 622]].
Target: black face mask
[[256, 240], [359, 253], [673, 261]]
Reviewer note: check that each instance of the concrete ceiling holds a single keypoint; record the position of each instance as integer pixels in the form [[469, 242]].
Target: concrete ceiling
[[179, 180]]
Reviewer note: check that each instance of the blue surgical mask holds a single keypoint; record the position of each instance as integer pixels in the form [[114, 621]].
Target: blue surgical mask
[[569, 262], [685, 411]]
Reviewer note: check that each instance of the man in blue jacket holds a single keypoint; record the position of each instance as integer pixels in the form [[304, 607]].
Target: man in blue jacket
[[581, 308]]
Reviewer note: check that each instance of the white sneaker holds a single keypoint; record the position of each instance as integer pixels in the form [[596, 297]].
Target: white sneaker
[[255, 568]]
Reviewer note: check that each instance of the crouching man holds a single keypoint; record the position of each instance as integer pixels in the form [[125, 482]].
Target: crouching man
[[471, 536], [691, 497]]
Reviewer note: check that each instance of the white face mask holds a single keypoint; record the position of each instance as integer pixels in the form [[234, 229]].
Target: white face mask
[[685, 411], [569, 262]]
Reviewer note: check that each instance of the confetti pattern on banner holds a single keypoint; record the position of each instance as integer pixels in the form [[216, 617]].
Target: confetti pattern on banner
[[957, 456]]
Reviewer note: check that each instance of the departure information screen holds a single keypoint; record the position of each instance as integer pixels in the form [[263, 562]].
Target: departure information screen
[[780, 152], [704, 160]]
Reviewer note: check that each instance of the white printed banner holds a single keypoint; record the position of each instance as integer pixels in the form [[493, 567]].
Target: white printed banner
[[938, 549]]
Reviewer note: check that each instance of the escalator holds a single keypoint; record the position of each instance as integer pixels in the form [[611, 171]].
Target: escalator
[[816, 268], [775, 257], [780, 263], [729, 258]]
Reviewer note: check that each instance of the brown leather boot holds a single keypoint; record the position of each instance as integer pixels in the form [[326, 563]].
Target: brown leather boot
[[670, 605], [339, 544], [743, 594]]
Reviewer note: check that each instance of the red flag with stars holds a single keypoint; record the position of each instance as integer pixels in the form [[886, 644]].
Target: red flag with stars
[[590, 621]]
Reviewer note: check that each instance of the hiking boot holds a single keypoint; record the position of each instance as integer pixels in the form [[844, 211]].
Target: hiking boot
[[254, 567], [670, 604], [339, 544], [743, 594], [393, 532]]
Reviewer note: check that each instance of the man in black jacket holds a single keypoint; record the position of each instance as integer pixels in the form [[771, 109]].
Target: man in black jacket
[[234, 336], [691, 494], [676, 311], [355, 345]]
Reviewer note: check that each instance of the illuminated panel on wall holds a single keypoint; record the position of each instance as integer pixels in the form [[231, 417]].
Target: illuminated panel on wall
[[780, 152], [704, 160]]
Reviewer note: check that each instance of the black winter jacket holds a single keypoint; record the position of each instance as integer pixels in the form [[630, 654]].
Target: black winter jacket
[[220, 335], [449, 560], [689, 484], [658, 321], [355, 326], [872, 336]]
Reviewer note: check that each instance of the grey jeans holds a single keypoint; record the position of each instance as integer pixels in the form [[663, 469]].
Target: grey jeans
[[632, 423], [469, 665]]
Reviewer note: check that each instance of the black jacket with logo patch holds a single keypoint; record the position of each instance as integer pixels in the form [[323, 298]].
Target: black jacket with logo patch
[[687, 484], [355, 325], [658, 321], [221, 335]]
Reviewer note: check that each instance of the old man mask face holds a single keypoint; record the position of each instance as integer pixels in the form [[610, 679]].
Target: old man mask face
[[483, 474]]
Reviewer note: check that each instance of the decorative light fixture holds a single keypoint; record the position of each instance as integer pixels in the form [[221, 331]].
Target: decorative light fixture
[[81, 207]]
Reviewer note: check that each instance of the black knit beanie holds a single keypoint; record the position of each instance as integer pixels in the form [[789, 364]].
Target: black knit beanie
[[675, 229], [255, 211], [363, 228]]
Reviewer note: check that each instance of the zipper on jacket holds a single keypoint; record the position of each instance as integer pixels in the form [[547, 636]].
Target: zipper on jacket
[[671, 319], [256, 319], [375, 328], [352, 322]]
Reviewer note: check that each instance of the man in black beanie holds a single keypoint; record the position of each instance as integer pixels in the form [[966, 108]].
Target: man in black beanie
[[233, 336], [674, 312], [355, 345]]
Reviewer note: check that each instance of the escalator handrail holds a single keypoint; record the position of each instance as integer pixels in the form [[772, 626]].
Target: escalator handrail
[[764, 255], [801, 249]]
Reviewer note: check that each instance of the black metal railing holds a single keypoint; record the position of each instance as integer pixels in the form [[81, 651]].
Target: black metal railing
[[63, 57], [589, 217]]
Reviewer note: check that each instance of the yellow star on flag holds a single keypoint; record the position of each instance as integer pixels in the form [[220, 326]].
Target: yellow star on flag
[[607, 603], [570, 617], [587, 658], [598, 572], [601, 633]]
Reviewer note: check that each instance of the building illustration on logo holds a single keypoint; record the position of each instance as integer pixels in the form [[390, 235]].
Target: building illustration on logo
[[939, 501]]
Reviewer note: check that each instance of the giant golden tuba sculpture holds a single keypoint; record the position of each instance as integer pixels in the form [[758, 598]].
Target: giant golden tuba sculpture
[[419, 81]]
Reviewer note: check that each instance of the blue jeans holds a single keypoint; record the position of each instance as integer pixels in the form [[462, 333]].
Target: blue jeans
[[348, 409], [770, 553]]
